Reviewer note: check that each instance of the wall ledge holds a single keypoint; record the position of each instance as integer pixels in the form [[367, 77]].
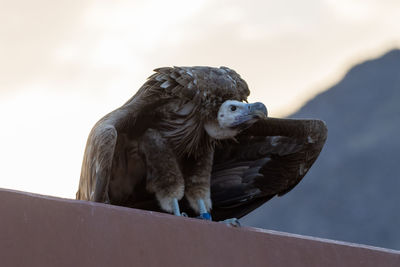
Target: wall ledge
[[38, 230]]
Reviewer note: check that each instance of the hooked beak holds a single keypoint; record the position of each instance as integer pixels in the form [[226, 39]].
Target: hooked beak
[[251, 113], [258, 110]]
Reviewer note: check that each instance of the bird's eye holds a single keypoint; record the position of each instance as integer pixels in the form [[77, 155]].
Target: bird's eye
[[233, 108]]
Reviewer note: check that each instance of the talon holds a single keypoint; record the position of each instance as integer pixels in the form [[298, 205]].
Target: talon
[[231, 222], [205, 216]]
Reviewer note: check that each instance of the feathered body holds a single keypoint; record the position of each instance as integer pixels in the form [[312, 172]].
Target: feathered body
[[157, 147]]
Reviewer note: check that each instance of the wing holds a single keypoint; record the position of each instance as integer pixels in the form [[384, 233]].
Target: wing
[[131, 119], [97, 163], [269, 159]]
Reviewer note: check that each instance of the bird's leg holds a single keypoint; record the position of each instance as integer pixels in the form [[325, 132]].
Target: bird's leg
[[163, 175], [197, 184], [176, 208]]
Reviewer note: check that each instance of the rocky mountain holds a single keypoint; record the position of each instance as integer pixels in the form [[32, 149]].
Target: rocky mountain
[[352, 193]]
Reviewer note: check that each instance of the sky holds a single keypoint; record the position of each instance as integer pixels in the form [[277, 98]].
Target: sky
[[65, 64]]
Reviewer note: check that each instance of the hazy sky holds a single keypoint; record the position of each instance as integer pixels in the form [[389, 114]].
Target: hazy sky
[[64, 64]]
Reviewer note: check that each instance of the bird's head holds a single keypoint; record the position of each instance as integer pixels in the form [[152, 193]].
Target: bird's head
[[234, 117]]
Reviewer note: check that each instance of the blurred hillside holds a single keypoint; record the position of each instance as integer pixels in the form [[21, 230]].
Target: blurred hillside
[[352, 192]]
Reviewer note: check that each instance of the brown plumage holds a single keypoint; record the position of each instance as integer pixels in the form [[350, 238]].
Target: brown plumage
[[155, 148]]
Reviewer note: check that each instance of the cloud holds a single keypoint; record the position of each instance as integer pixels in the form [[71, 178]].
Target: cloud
[[29, 32]]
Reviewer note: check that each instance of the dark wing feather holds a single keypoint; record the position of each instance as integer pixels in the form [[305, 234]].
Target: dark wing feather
[[100, 150], [132, 119], [268, 159], [97, 163]]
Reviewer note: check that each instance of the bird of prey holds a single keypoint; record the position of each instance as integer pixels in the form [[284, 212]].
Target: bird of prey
[[189, 142]]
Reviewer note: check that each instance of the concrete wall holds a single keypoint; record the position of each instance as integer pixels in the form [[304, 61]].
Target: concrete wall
[[45, 231]]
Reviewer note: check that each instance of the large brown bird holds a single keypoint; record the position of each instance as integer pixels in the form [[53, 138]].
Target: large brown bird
[[189, 141]]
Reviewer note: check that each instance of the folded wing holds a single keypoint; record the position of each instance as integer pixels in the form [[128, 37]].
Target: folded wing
[[267, 160]]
